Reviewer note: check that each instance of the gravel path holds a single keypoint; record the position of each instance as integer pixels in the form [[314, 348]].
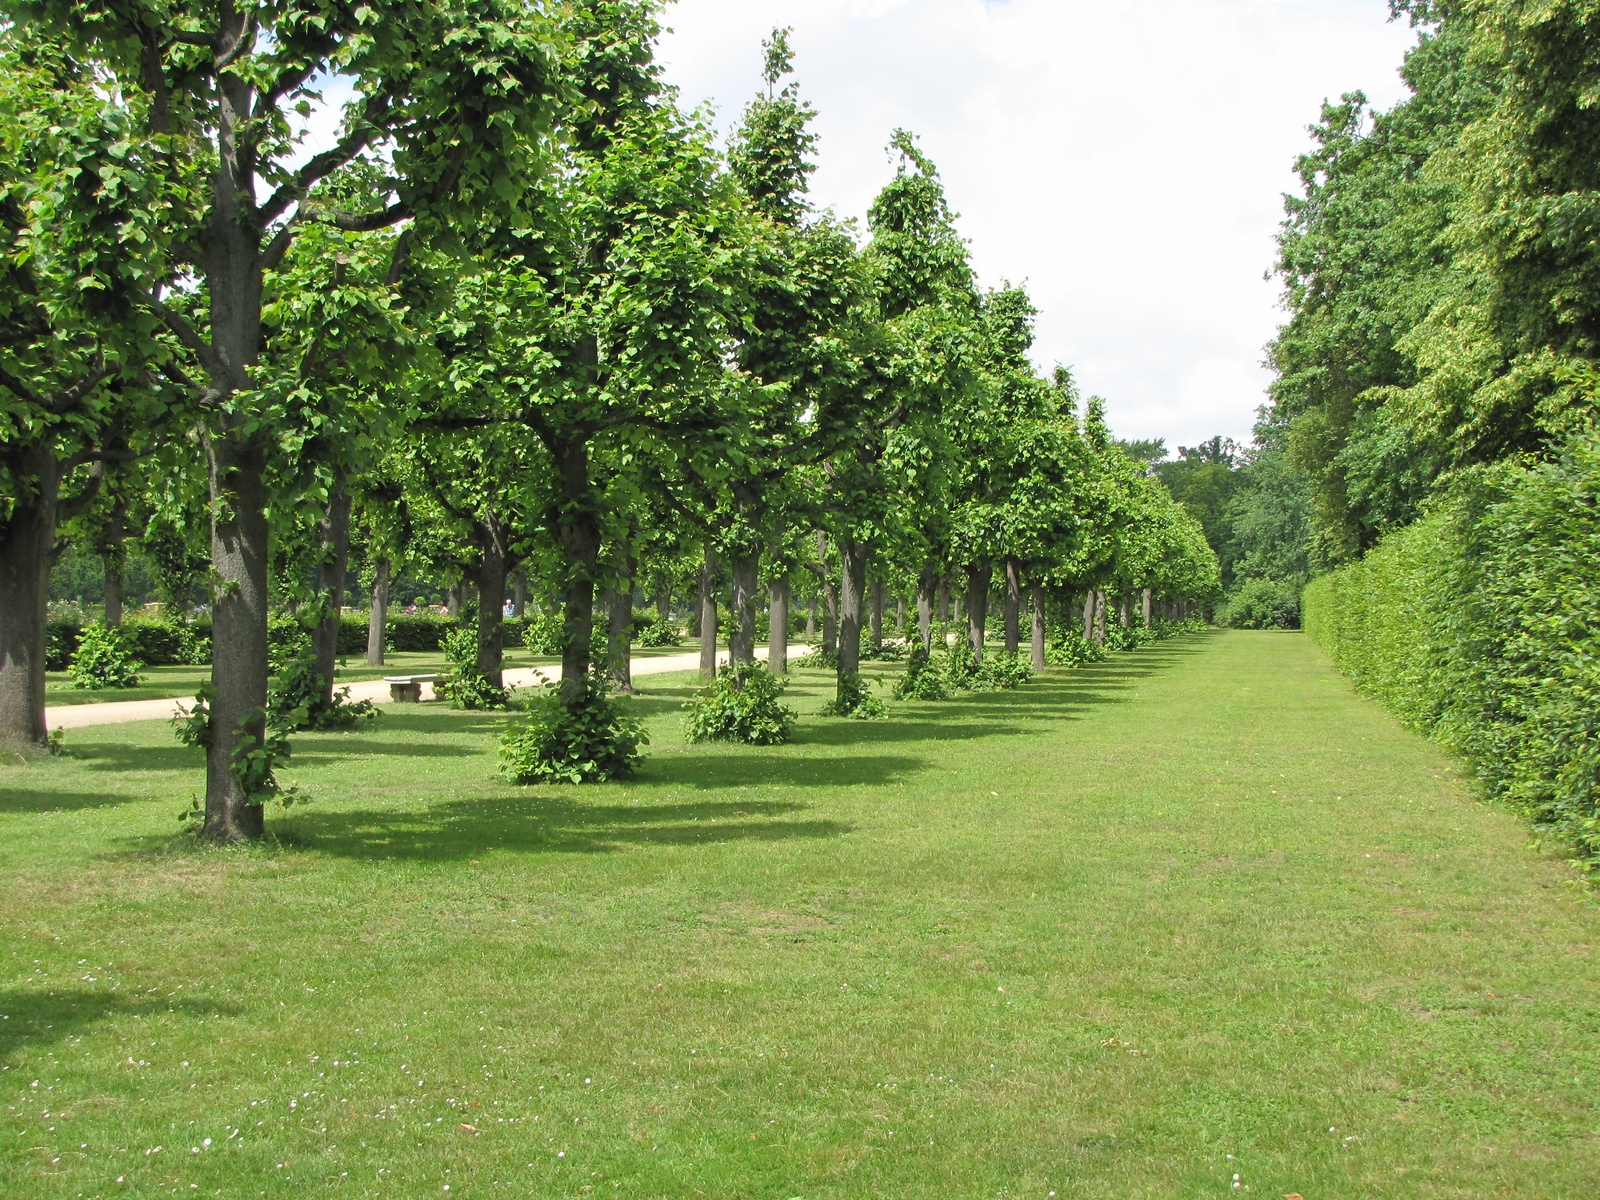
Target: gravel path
[[116, 712]]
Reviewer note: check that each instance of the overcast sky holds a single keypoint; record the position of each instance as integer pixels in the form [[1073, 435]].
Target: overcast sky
[[1126, 160]]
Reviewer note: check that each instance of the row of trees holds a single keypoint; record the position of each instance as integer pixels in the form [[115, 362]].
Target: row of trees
[[522, 319]]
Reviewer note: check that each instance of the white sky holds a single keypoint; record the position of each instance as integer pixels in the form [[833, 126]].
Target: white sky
[[1125, 160]]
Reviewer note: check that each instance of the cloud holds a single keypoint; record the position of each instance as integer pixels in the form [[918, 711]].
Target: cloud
[[1126, 160]]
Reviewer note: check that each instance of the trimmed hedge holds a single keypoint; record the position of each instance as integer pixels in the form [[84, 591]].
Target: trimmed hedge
[[1480, 625]]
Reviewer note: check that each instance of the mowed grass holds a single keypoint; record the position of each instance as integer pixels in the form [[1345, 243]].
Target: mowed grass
[[1195, 918]]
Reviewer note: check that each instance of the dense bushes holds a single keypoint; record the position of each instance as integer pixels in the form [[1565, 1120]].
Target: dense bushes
[[1480, 624], [589, 741], [1261, 604], [105, 658], [741, 706]]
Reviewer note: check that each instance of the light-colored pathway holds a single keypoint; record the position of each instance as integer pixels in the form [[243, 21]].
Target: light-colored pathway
[[116, 712]]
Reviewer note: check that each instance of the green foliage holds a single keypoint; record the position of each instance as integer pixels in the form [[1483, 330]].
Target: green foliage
[[855, 700], [742, 705], [465, 685], [61, 642], [660, 632], [923, 679], [543, 635], [1000, 672], [105, 658], [1260, 604], [296, 701], [288, 640], [1480, 624], [588, 741], [1072, 649], [419, 634], [254, 765]]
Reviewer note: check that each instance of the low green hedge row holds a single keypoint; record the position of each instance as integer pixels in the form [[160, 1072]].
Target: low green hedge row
[[1480, 625]]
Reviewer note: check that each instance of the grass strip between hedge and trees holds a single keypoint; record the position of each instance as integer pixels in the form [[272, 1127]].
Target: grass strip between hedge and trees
[[1195, 916]]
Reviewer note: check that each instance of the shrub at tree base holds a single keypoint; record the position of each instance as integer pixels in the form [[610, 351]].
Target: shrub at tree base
[[296, 702], [1072, 649], [1480, 625], [741, 706], [658, 633], [590, 742], [466, 686], [542, 635], [855, 701], [1261, 604], [1000, 672], [105, 658], [923, 680], [817, 658]]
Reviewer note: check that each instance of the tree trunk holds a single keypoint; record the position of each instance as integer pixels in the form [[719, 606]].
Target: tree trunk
[[519, 594], [115, 557], [708, 614], [335, 534], [27, 551], [452, 602], [1148, 601], [1088, 616], [927, 589], [578, 523], [619, 622], [664, 604], [1124, 616], [1013, 603], [778, 626], [237, 476], [1100, 617], [1038, 627], [900, 614], [853, 556], [493, 569], [875, 627], [944, 598], [979, 576], [745, 569], [378, 615], [811, 619]]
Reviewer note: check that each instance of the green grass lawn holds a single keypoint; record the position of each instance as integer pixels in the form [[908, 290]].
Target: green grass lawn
[[1194, 917]]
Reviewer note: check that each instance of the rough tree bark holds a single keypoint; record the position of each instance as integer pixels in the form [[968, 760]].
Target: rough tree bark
[[452, 602], [745, 570], [494, 566], [708, 614], [1038, 626], [1088, 616], [853, 556], [619, 621], [578, 525], [378, 614], [114, 554], [944, 598], [27, 550], [811, 619], [1149, 600], [778, 625], [236, 469], [927, 587], [979, 575], [1013, 609], [1100, 617], [334, 530]]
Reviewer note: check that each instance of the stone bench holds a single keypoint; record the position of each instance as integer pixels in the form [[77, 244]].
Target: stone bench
[[407, 689]]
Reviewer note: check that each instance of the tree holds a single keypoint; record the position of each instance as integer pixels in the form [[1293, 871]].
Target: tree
[[459, 98], [80, 195]]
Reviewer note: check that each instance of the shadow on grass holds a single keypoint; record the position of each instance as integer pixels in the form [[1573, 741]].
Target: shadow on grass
[[19, 800], [34, 1018], [544, 824], [756, 766]]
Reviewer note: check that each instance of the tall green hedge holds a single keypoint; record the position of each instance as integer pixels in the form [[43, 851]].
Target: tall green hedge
[[1480, 625]]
